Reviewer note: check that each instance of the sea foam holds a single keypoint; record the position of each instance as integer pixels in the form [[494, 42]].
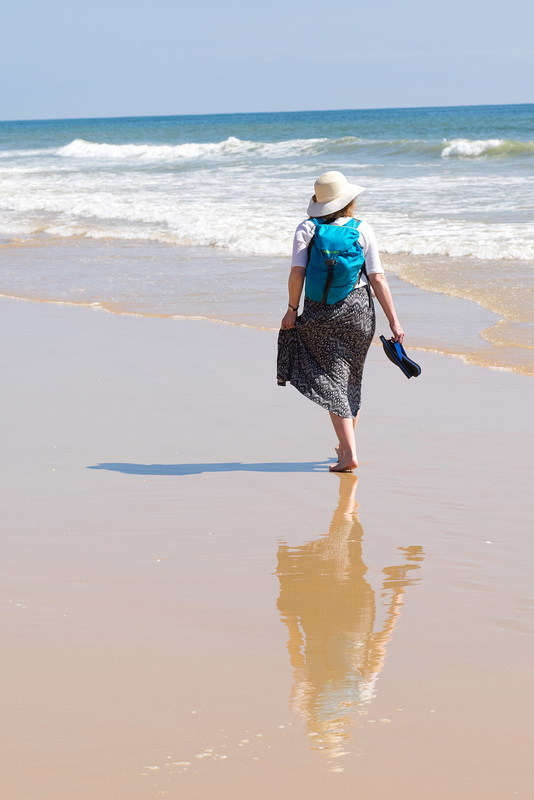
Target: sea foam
[[474, 148], [80, 148], [247, 194]]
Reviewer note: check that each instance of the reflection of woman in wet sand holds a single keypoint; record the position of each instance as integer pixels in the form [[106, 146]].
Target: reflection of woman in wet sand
[[329, 609]]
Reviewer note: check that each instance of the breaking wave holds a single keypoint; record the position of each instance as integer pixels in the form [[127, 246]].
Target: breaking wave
[[474, 148], [234, 147], [79, 148]]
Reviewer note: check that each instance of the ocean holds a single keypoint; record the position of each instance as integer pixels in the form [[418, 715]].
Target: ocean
[[194, 215]]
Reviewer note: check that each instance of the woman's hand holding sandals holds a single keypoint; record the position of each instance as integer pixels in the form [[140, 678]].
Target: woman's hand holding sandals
[[396, 330]]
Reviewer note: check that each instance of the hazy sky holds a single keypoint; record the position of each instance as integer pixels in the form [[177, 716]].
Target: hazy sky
[[131, 58]]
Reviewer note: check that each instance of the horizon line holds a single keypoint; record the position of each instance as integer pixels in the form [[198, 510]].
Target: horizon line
[[266, 113]]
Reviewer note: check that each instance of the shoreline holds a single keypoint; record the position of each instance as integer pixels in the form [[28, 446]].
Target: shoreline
[[435, 321], [466, 359]]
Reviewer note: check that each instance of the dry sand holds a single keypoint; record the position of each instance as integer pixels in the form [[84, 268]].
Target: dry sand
[[193, 607]]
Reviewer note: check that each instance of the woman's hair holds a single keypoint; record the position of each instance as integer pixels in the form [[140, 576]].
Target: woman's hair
[[346, 211]]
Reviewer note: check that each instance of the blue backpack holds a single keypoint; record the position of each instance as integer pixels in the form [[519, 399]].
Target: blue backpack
[[335, 261]]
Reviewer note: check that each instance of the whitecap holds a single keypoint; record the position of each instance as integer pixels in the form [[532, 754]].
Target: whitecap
[[80, 148], [471, 148]]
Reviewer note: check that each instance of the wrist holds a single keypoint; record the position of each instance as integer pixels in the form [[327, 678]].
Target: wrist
[[292, 308]]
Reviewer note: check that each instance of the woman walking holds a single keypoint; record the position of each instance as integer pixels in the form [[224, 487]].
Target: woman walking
[[322, 352]]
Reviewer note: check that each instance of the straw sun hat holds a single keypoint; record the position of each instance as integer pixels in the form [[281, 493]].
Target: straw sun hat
[[332, 193]]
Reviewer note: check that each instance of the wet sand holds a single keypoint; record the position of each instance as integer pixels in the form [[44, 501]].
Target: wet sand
[[193, 607]]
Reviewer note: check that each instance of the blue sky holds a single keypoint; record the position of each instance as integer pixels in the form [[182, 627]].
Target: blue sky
[[116, 58]]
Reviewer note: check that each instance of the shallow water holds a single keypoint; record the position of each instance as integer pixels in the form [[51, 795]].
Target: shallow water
[[156, 279]]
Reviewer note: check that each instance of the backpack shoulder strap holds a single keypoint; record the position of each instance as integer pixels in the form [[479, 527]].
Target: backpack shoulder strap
[[353, 223], [316, 221], [310, 245]]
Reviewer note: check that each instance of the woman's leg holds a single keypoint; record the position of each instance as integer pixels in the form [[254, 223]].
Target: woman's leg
[[344, 428], [338, 448]]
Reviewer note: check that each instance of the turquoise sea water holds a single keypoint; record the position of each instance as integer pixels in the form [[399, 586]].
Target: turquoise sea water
[[175, 215]]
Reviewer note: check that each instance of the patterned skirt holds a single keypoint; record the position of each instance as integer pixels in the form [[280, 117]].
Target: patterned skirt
[[324, 354]]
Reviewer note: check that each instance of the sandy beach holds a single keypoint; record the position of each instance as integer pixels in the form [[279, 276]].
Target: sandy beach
[[193, 607]]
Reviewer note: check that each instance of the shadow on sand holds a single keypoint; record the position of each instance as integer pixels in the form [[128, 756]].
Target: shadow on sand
[[198, 469]]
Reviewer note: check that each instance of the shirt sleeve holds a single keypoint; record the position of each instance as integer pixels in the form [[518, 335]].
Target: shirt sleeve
[[301, 240], [370, 249]]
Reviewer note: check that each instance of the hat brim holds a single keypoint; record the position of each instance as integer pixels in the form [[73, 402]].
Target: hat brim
[[322, 209]]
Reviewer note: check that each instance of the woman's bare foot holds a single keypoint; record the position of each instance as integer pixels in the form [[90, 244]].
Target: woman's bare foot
[[346, 464], [346, 449]]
